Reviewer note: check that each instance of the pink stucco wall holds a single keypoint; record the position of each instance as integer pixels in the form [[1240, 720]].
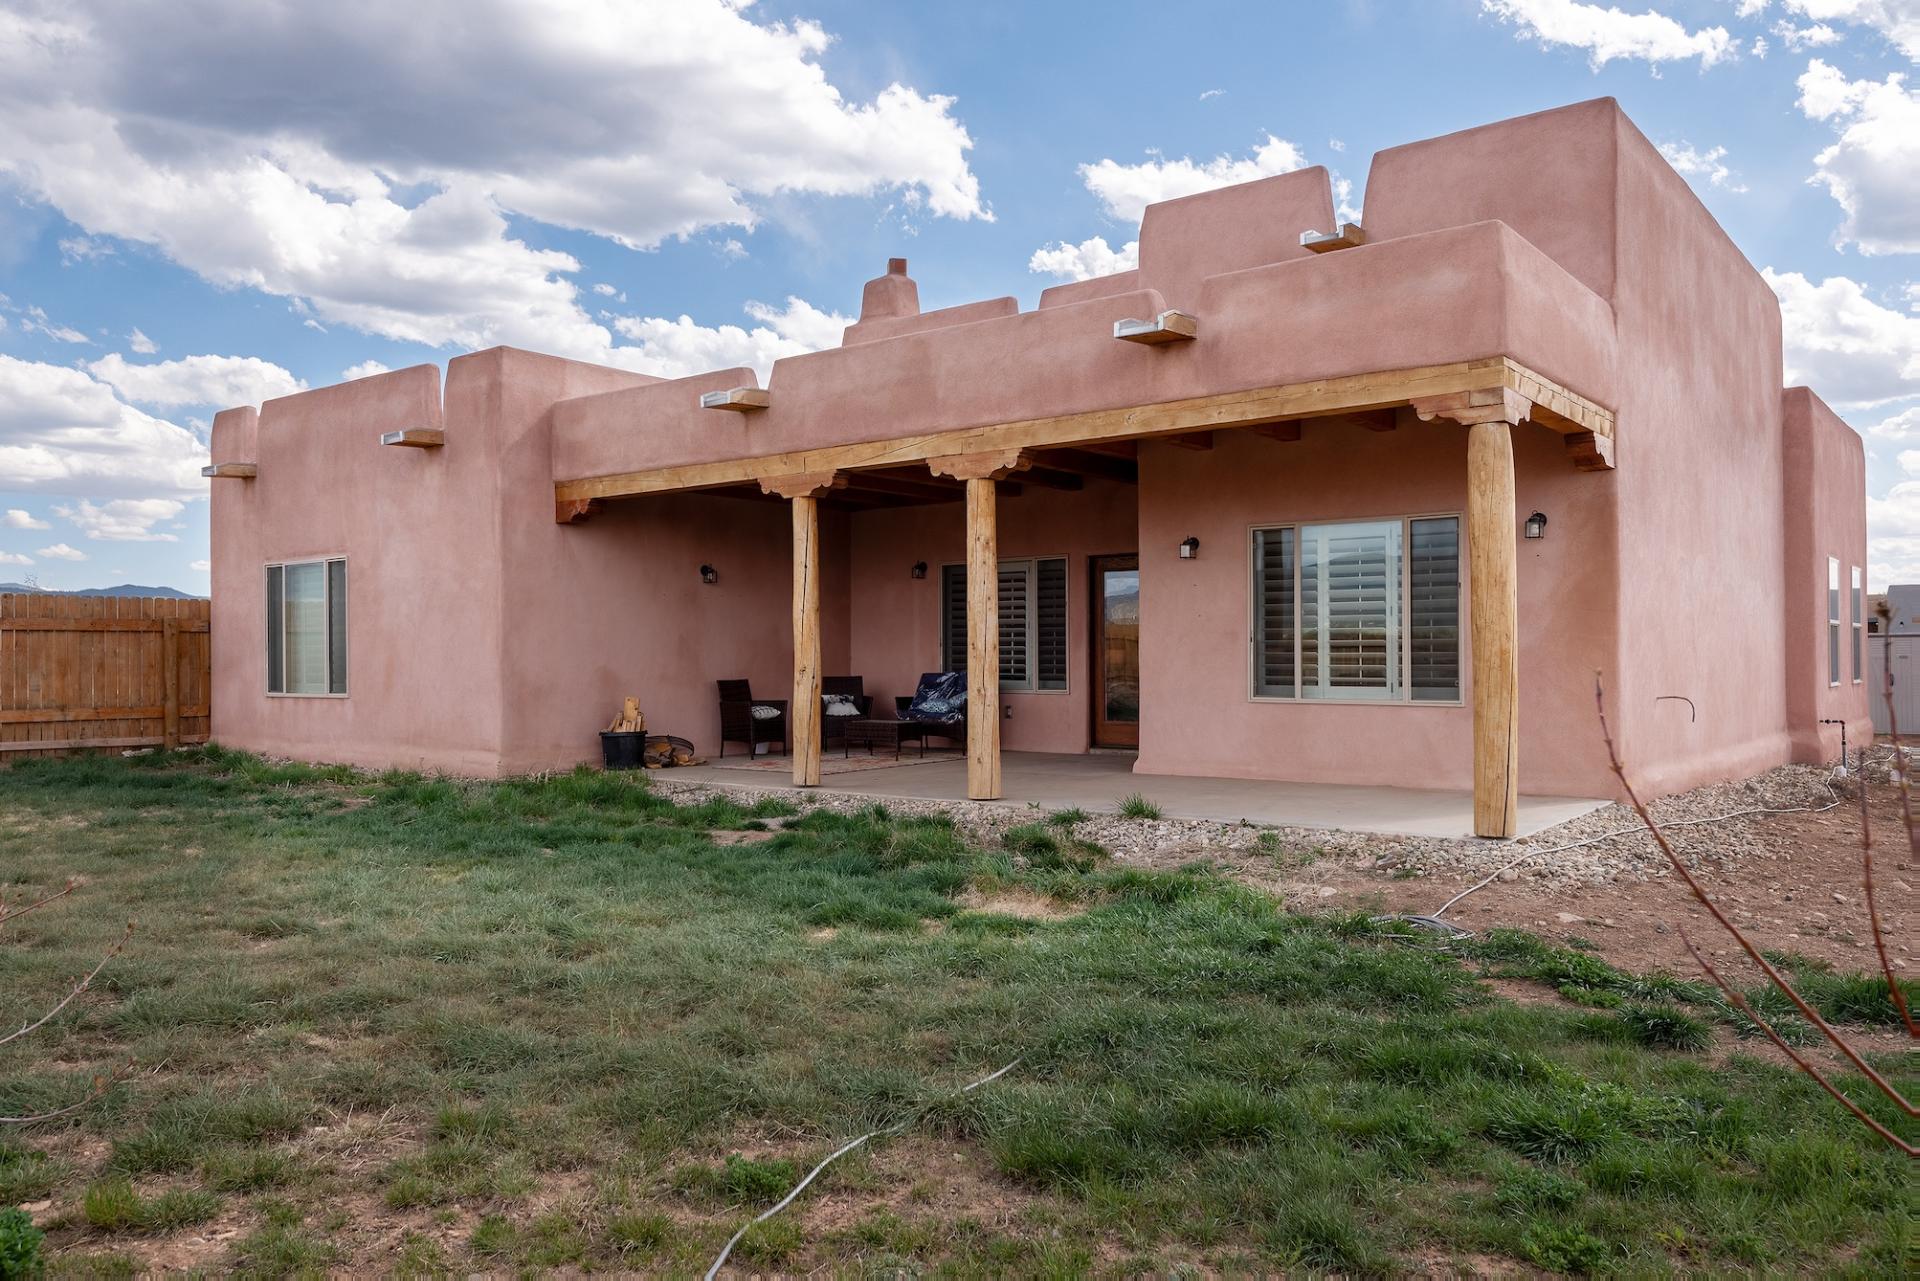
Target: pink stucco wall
[[1825, 477], [1199, 716], [486, 637], [895, 618], [483, 637]]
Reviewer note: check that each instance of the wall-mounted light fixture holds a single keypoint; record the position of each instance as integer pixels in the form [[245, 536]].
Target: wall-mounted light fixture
[[709, 575], [1536, 526], [1189, 548], [919, 569]]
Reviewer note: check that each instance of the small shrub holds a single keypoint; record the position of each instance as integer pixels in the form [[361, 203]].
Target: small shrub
[[20, 1245], [1134, 805], [1067, 818]]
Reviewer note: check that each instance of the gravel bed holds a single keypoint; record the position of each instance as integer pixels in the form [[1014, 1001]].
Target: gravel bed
[[1621, 849]]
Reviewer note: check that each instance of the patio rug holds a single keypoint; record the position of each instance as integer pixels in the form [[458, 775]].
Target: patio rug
[[832, 763]]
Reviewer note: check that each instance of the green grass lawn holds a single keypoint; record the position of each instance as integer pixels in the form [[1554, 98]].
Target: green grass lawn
[[406, 1023]]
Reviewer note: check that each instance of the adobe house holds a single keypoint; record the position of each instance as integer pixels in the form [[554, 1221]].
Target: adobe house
[[1263, 508]]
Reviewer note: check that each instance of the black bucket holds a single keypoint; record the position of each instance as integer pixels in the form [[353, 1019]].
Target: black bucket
[[622, 750]]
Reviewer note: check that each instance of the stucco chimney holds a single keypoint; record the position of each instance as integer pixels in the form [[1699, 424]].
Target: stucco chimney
[[893, 294]]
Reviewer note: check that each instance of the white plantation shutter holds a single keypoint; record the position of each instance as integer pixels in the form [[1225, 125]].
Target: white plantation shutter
[[1016, 625], [1433, 608], [1350, 610], [1275, 620]]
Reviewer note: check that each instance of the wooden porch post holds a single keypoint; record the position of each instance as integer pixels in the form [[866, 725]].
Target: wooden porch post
[[983, 641], [980, 471], [1495, 629], [803, 710], [1493, 619]]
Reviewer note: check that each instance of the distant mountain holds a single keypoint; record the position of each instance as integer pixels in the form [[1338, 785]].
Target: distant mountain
[[124, 589]]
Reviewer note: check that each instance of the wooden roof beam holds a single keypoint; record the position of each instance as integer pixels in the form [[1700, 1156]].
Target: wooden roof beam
[[1087, 463], [1349, 236], [741, 400], [1167, 327]]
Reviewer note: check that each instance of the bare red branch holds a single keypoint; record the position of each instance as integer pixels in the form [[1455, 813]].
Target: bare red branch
[[1705, 900], [1740, 1003]]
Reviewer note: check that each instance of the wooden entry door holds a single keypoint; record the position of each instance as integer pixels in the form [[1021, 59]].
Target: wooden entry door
[[1115, 652]]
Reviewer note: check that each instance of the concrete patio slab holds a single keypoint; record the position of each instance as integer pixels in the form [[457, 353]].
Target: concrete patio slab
[[1096, 783]]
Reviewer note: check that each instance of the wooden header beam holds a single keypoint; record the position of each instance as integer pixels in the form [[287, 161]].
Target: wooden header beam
[[1588, 427], [231, 471]]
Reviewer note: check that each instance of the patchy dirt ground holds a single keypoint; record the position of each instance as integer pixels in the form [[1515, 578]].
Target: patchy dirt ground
[[1792, 881]]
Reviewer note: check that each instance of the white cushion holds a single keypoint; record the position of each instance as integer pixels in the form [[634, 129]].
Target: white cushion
[[841, 705], [761, 712]]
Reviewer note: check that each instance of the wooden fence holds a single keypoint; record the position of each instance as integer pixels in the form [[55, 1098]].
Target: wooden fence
[[102, 672]]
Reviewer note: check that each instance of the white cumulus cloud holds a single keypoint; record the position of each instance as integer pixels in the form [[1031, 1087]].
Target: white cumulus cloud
[[60, 551], [123, 520], [1896, 20], [61, 432], [1847, 347], [17, 519], [365, 160], [140, 344], [1873, 168], [365, 369], [1710, 164], [200, 566], [1608, 33], [1125, 191], [675, 348], [221, 381], [1090, 258]]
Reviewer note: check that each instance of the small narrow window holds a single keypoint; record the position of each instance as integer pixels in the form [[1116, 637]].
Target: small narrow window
[[1833, 620], [1275, 619], [1050, 621], [307, 627], [1858, 607]]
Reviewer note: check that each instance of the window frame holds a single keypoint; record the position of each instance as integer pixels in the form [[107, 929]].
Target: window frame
[[326, 631], [1833, 622], [1032, 684], [1857, 609], [1405, 656]]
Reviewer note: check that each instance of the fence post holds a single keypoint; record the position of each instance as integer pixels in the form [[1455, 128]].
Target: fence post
[[170, 664]]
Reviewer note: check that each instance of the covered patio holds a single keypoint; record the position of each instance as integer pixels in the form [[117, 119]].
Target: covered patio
[[1096, 782]]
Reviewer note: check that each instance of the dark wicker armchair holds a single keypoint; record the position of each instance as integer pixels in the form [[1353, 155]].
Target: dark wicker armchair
[[738, 724], [833, 729], [954, 731]]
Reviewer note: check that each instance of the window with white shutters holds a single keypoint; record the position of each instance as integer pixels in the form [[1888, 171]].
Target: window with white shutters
[[1033, 622], [1366, 610]]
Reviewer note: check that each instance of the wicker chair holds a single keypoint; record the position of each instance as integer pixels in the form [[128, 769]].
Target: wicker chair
[[738, 724], [833, 729]]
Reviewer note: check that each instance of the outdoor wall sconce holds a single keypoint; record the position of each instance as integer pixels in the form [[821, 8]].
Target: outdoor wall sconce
[[1189, 548], [709, 575], [919, 569], [1536, 526]]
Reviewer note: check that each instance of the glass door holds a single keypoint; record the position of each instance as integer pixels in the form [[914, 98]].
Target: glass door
[[1115, 651]]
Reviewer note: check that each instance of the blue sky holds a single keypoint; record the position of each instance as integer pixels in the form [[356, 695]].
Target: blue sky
[[215, 201]]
